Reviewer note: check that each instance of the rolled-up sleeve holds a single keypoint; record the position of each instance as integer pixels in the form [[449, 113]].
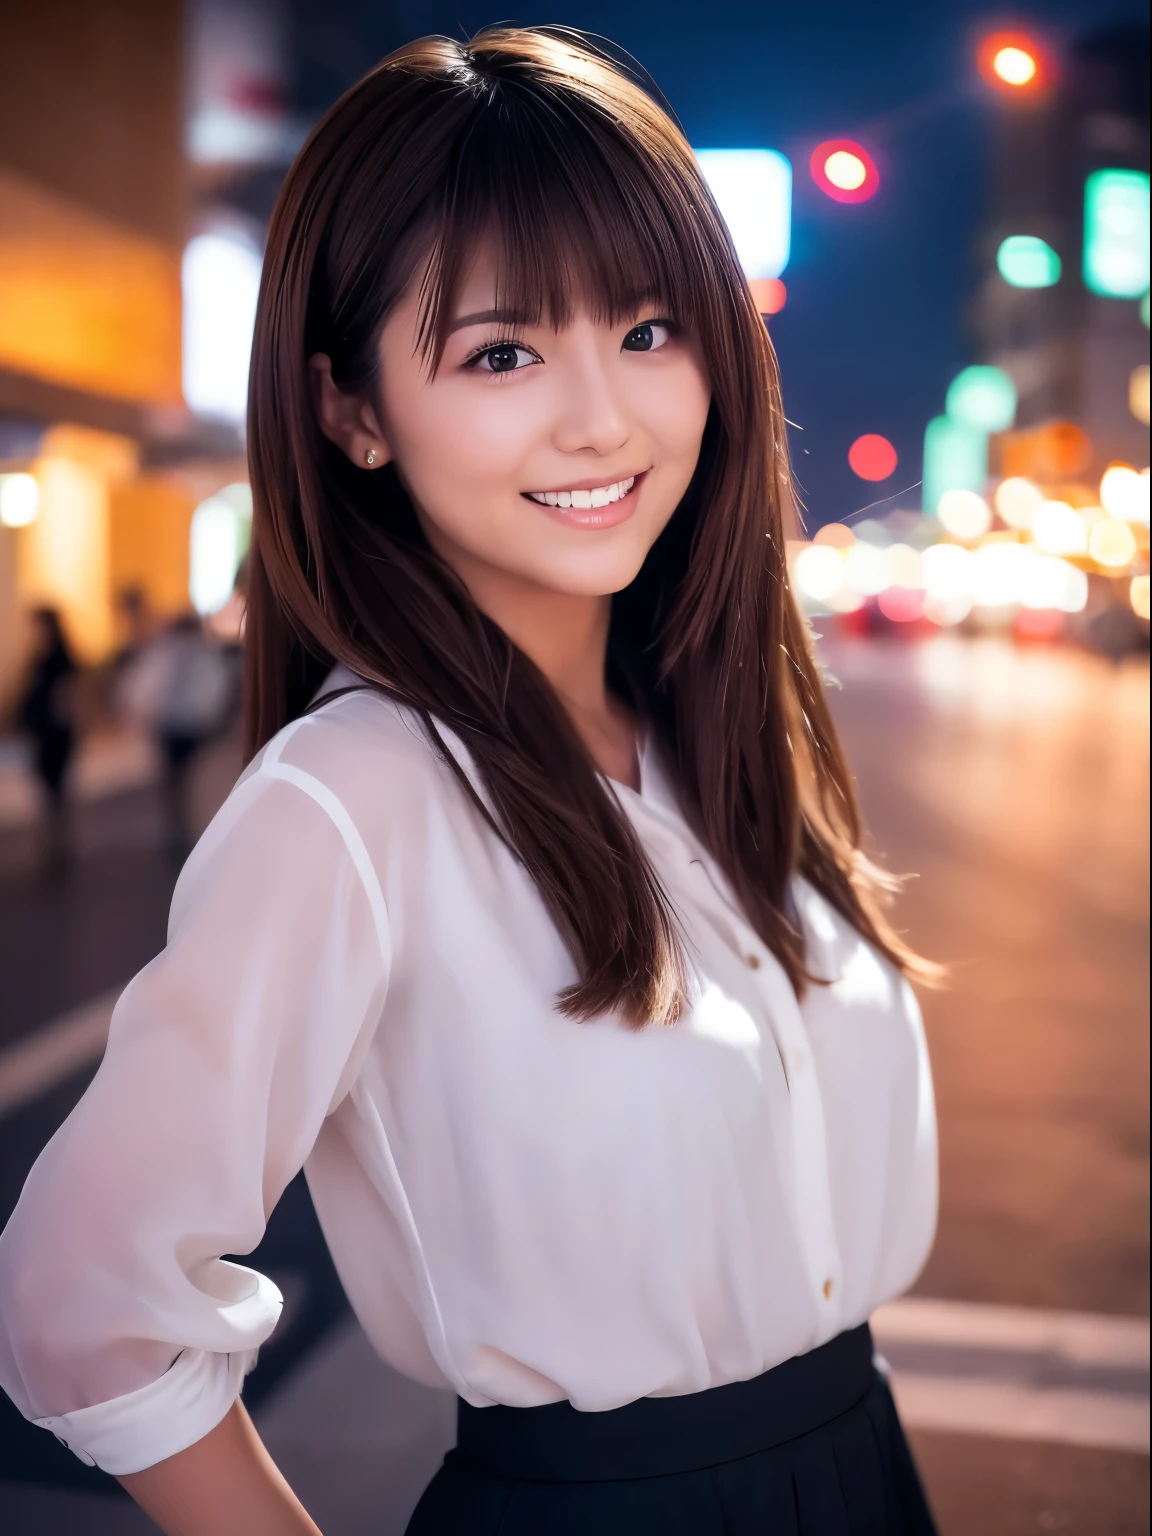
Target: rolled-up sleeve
[[122, 1329]]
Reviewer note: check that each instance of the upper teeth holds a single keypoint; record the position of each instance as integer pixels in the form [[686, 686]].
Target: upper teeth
[[602, 496]]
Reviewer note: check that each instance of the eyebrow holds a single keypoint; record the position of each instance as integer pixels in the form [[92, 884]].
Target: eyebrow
[[489, 317]]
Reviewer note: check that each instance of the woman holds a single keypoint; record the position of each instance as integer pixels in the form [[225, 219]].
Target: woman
[[46, 713], [537, 929]]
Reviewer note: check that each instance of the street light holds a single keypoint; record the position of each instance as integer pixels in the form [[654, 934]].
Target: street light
[[1015, 66], [1013, 63]]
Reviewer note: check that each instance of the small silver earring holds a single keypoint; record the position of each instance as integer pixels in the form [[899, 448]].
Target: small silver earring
[[370, 456]]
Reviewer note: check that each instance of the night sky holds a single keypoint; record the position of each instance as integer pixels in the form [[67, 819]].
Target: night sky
[[874, 326]]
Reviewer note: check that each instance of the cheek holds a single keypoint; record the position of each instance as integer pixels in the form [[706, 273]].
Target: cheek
[[451, 437], [675, 410]]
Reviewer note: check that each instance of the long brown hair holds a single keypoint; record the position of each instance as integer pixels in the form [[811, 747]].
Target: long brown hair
[[538, 142]]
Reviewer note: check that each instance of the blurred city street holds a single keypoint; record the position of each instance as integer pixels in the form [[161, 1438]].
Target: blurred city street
[[944, 227], [1013, 782]]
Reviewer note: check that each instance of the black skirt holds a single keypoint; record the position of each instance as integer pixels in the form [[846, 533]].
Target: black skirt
[[811, 1448]]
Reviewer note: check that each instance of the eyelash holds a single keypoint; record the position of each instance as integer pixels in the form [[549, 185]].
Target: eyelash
[[471, 361], [495, 345]]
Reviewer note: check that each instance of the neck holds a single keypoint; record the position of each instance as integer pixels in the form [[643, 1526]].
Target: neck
[[566, 635]]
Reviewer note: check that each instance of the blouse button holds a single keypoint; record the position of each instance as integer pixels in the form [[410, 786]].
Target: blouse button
[[827, 1289], [752, 962]]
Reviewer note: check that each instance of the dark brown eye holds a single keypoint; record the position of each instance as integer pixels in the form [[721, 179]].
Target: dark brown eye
[[647, 337], [502, 359]]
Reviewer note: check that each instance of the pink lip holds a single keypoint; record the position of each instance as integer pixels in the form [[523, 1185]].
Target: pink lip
[[588, 485], [595, 517]]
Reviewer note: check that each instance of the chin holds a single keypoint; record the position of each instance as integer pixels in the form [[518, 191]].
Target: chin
[[591, 573]]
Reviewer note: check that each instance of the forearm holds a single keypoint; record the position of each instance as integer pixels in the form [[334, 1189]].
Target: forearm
[[224, 1485]]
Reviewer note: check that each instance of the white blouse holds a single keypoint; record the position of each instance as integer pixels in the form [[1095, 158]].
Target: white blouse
[[360, 980]]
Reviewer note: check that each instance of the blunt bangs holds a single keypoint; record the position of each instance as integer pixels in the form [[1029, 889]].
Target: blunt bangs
[[575, 212]]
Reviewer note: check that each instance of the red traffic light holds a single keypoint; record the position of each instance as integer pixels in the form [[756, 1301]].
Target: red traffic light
[[1013, 63], [844, 171]]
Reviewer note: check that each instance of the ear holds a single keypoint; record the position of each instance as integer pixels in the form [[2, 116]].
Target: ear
[[347, 420]]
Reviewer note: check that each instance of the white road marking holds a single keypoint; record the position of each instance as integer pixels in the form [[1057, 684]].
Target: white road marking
[[1006, 1411], [1090, 1338], [1019, 1373]]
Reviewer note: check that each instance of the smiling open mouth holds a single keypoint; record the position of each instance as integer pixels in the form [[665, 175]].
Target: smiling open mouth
[[599, 496]]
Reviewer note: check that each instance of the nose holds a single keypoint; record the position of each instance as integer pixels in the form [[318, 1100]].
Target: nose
[[590, 417]]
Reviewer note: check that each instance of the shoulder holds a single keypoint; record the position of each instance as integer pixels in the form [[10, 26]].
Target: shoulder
[[354, 778], [360, 750]]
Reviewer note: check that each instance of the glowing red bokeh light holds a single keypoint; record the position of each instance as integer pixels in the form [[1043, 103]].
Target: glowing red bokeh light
[[872, 457], [1014, 63], [903, 605], [844, 171]]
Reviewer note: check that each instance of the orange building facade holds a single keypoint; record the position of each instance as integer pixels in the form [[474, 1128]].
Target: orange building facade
[[93, 221]]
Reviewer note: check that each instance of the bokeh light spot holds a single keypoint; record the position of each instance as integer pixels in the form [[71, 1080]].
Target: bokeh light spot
[[819, 571], [1059, 529], [1138, 391], [768, 294], [838, 535], [872, 457], [866, 569], [1112, 543], [1124, 493], [948, 573], [1116, 233], [19, 500], [1016, 501], [845, 170], [903, 605], [964, 514], [1026, 261], [905, 566], [1015, 66], [982, 397], [1014, 62]]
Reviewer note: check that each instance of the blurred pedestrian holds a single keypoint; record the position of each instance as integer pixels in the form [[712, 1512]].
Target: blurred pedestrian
[[138, 625], [181, 687], [47, 714]]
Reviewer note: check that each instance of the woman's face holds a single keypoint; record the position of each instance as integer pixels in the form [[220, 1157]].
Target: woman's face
[[552, 456]]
